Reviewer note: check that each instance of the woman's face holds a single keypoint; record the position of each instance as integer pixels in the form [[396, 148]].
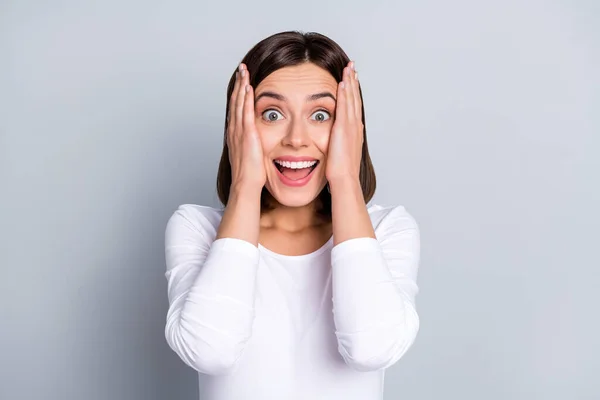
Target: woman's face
[[295, 110]]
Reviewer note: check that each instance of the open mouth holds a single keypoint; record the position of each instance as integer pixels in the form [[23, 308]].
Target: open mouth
[[296, 170]]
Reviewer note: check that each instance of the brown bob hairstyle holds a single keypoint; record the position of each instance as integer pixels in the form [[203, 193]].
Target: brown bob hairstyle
[[282, 50]]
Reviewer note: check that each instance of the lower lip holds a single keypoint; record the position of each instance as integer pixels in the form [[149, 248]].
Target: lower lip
[[289, 182]]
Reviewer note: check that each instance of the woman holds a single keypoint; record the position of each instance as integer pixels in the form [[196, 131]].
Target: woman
[[296, 289]]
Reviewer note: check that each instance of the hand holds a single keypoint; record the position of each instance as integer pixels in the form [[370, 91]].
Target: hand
[[243, 141], [346, 139]]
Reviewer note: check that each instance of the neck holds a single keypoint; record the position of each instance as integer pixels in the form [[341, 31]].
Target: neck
[[292, 219]]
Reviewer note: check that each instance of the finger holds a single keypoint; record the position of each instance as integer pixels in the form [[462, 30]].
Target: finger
[[340, 106], [357, 99], [239, 104], [355, 91], [349, 94], [248, 112], [232, 100]]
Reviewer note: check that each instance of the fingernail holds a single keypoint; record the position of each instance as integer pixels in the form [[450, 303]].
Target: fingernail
[[352, 65], [342, 84], [356, 75], [243, 73], [240, 67], [247, 88]]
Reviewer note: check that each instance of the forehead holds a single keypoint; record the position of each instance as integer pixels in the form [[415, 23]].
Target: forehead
[[305, 78]]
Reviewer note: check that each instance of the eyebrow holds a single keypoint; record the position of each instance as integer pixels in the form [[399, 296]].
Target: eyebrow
[[280, 97]]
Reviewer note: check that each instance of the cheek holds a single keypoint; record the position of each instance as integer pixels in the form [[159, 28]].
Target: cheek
[[268, 138], [321, 139]]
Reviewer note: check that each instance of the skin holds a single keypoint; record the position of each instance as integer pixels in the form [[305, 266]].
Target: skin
[[285, 121]]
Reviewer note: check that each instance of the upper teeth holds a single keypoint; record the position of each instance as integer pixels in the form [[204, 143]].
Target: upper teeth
[[296, 165]]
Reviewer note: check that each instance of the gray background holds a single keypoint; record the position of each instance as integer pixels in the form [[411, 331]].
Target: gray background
[[483, 120]]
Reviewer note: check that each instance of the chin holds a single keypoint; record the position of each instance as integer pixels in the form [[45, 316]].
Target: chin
[[301, 199]]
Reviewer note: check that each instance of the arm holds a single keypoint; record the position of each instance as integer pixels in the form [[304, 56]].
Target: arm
[[374, 281], [211, 286]]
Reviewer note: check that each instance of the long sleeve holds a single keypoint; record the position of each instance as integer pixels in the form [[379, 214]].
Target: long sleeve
[[374, 289], [211, 289]]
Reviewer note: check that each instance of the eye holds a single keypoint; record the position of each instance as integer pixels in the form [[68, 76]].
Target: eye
[[321, 116], [271, 115]]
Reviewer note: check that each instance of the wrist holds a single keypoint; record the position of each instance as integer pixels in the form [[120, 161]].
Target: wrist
[[345, 182], [245, 190]]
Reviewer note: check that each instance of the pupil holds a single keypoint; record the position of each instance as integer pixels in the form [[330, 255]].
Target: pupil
[[272, 116]]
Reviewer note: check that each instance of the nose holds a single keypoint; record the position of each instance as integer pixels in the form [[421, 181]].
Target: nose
[[296, 135]]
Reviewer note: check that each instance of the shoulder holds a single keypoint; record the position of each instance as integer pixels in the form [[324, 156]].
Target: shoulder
[[193, 218], [394, 218]]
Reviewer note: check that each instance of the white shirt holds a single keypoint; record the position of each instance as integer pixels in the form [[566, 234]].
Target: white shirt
[[257, 325]]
